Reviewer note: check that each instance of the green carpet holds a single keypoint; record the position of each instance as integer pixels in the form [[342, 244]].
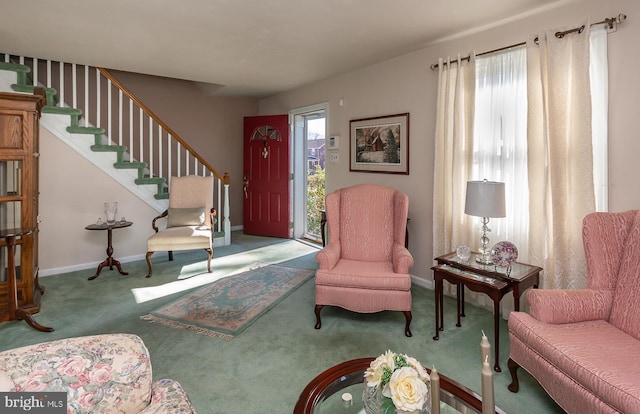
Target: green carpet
[[264, 369], [228, 306]]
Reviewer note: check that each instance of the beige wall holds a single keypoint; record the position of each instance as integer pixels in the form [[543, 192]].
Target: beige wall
[[72, 193], [406, 84]]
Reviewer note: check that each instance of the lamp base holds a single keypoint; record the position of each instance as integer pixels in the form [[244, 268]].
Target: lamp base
[[484, 259]]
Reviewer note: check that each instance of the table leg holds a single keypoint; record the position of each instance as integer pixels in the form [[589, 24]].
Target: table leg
[[437, 304], [441, 303], [116, 263], [458, 289], [462, 299], [28, 318], [516, 298], [109, 261], [517, 292], [16, 313], [496, 334]]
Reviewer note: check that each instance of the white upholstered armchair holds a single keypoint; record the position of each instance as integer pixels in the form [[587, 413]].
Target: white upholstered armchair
[[190, 218]]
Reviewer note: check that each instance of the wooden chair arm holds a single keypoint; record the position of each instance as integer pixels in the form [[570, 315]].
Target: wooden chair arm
[[153, 223]]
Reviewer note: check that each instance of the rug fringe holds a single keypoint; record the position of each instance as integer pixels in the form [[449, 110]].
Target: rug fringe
[[180, 325]]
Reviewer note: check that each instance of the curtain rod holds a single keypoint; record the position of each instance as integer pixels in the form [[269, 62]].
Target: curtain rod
[[611, 22]]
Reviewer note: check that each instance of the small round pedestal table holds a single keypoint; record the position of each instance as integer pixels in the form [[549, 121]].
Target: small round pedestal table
[[109, 261]]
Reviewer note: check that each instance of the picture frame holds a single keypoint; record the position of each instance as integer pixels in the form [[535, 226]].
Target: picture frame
[[380, 144]]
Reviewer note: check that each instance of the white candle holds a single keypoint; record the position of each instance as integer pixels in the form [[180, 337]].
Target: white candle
[[435, 391], [485, 348], [347, 399], [488, 402]]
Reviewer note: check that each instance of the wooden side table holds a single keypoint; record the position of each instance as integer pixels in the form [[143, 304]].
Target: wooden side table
[[488, 279], [109, 261], [15, 312]]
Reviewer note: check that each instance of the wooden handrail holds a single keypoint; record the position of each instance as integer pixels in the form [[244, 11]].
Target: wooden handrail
[[225, 179]]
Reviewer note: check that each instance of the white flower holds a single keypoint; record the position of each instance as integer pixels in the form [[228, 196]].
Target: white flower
[[406, 389], [422, 372], [374, 373]]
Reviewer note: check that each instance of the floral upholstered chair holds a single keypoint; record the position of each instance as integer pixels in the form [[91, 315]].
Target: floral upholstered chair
[[100, 374], [365, 266], [189, 219]]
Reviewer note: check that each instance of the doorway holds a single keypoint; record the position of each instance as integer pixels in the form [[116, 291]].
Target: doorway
[[265, 180], [309, 133]]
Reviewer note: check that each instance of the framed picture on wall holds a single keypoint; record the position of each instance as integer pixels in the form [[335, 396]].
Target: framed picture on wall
[[380, 144]]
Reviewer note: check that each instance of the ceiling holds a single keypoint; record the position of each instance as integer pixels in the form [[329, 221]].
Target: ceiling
[[251, 48]]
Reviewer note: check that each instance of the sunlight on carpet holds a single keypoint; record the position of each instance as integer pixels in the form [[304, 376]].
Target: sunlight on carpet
[[195, 274]]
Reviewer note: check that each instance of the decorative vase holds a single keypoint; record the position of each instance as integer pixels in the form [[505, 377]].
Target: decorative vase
[[372, 402], [371, 399], [463, 253], [110, 211]]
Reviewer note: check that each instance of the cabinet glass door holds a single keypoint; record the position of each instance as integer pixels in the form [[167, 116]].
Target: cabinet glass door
[[10, 209]]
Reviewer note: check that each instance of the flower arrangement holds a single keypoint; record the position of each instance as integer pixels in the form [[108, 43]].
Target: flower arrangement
[[402, 381]]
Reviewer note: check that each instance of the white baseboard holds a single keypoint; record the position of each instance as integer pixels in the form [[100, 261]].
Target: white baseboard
[[84, 266], [422, 281]]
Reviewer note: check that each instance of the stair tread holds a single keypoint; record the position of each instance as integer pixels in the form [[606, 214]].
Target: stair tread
[[130, 165], [14, 67], [108, 148], [61, 110], [151, 179], [85, 130], [30, 88]]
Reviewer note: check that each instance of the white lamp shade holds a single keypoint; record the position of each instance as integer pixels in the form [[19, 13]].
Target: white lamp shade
[[485, 199]]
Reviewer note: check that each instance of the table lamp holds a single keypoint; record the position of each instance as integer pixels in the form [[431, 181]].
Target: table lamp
[[485, 199]]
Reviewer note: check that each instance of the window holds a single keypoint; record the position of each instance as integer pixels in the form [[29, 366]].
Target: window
[[500, 131], [500, 137]]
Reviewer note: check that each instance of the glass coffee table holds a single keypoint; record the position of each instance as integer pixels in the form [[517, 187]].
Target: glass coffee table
[[324, 393]]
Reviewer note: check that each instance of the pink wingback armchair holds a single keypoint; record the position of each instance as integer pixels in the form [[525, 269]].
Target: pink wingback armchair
[[583, 345], [365, 266]]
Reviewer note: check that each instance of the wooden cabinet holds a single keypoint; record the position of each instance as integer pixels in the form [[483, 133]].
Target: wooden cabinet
[[19, 127]]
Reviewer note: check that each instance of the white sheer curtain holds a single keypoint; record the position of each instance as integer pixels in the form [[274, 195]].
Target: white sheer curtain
[[453, 144], [599, 75], [560, 155], [500, 141]]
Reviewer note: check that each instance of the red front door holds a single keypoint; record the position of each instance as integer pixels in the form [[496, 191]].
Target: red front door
[[266, 176]]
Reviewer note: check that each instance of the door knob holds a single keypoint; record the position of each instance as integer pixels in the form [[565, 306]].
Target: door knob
[[245, 185]]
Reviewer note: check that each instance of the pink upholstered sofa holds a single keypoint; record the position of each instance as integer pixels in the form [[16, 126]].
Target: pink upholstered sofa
[[583, 346]]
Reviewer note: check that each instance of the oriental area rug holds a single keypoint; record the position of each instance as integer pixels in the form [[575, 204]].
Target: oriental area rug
[[230, 305]]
